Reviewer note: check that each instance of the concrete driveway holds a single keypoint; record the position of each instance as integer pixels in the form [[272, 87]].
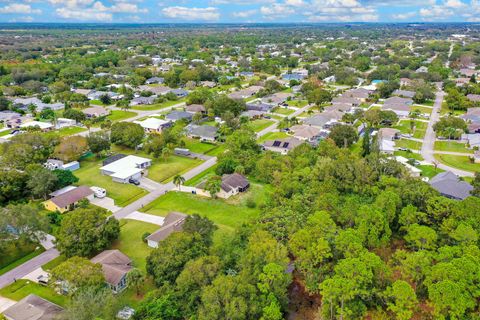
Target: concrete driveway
[[149, 184], [140, 216], [5, 304], [106, 203]]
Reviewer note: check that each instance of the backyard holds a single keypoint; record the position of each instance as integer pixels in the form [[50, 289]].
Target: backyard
[[260, 124], [22, 288], [272, 136]]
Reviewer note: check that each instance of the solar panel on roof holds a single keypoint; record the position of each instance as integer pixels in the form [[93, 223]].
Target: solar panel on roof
[[285, 145], [277, 143]]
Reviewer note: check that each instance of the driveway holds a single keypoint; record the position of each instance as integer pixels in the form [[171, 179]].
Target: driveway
[[149, 184], [5, 304], [28, 267], [106, 203], [150, 218]]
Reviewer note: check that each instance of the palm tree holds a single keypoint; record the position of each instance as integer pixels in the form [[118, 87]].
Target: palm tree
[[213, 185], [136, 279], [178, 180]]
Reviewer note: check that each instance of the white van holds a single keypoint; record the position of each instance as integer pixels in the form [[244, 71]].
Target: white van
[[99, 192]]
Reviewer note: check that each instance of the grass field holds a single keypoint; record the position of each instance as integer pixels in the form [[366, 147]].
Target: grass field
[[451, 146], [409, 155], [283, 110], [228, 215], [272, 136], [201, 177], [409, 144], [405, 128], [118, 115], [422, 109], [297, 103], [197, 146], [459, 162], [22, 288], [429, 171], [260, 124], [123, 194], [130, 241], [158, 106]]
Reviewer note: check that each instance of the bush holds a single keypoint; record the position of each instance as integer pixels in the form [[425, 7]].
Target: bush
[[250, 203], [145, 236]]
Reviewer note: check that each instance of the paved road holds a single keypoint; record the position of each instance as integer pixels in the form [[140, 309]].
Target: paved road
[[273, 127], [428, 145], [29, 266]]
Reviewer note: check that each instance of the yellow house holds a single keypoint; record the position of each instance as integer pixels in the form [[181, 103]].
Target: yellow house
[[68, 200]]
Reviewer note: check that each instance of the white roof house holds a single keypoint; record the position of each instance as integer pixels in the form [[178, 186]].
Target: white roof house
[[126, 168], [41, 125], [387, 146], [153, 124]]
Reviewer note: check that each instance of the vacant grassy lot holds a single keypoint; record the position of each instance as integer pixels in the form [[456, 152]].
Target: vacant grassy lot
[[260, 124], [451, 146], [422, 109], [118, 115], [130, 241], [460, 162], [225, 214], [158, 106], [196, 146], [22, 288], [283, 110], [409, 144], [272, 136], [405, 127], [297, 103], [429, 171], [123, 194]]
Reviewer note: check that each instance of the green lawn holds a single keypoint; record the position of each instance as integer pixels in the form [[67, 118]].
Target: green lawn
[[460, 162], [283, 110], [272, 136], [5, 132], [228, 215], [64, 132], [130, 241], [429, 171], [409, 155], [53, 263], [158, 106], [423, 109], [451, 146], [405, 127], [409, 144], [260, 124], [297, 103], [22, 288], [96, 102], [201, 177], [123, 194], [196, 146], [118, 115]]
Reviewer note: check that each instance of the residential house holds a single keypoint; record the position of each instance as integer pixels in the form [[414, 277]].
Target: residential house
[[324, 120], [386, 146], [173, 223], [33, 307], [293, 77], [155, 80], [472, 139], [157, 90], [468, 72], [44, 126], [473, 97], [245, 93], [388, 134], [282, 146], [202, 132], [95, 112], [404, 93], [232, 184], [24, 103], [179, 115], [115, 267], [126, 168], [180, 93], [460, 82], [422, 69], [354, 102], [449, 185], [208, 84], [196, 108], [401, 106], [405, 82], [306, 133], [153, 125], [246, 74], [65, 123], [252, 114], [143, 101], [413, 171], [54, 164], [277, 98], [96, 95], [361, 94], [68, 200], [258, 105]]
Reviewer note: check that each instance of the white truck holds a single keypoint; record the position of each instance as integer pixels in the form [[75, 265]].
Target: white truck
[[99, 192]]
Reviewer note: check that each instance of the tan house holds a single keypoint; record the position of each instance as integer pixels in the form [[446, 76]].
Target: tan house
[[32, 307], [95, 112], [173, 223]]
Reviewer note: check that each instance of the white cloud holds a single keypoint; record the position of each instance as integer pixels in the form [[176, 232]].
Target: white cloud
[[244, 14], [19, 8], [72, 3], [23, 19], [192, 14], [404, 16], [276, 10], [120, 7], [88, 14]]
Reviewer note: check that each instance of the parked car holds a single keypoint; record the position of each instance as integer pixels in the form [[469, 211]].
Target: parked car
[[134, 181], [99, 192], [403, 149]]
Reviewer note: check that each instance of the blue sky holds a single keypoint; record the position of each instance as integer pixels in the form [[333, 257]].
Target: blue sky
[[219, 11]]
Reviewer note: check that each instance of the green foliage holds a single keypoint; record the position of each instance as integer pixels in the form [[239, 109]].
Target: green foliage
[[98, 142], [126, 134], [343, 135], [77, 274]]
